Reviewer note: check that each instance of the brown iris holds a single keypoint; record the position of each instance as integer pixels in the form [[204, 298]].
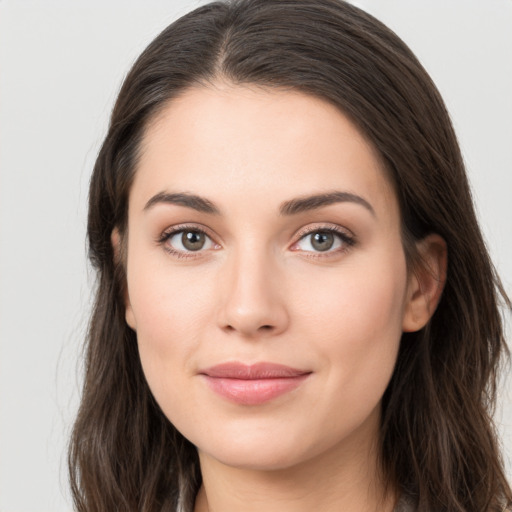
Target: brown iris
[[193, 240], [322, 240]]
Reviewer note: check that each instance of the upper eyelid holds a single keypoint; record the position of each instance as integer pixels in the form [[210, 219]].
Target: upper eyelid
[[301, 233], [335, 228], [172, 230], [347, 237]]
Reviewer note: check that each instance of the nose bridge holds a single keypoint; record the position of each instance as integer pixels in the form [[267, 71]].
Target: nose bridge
[[252, 303]]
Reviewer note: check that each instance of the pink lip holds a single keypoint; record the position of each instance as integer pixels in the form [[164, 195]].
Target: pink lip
[[252, 384]]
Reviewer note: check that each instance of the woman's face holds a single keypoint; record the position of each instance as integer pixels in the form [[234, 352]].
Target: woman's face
[[266, 277]]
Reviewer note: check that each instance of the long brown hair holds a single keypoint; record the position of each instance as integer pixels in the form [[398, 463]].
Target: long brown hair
[[438, 443]]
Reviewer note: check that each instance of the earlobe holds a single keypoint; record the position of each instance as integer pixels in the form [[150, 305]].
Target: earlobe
[[130, 319], [426, 283], [115, 239]]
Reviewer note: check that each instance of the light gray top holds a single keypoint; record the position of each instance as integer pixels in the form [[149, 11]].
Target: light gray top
[[405, 504]]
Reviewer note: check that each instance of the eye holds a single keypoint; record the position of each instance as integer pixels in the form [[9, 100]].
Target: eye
[[323, 240], [181, 241]]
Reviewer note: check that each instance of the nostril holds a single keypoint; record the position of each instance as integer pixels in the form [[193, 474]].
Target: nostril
[[262, 328]]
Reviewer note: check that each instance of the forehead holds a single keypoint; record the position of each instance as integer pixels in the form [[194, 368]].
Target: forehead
[[226, 141]]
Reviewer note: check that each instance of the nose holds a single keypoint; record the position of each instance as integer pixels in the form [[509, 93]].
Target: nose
[[252, 301]]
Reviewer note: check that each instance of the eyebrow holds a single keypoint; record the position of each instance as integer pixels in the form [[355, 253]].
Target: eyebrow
[[303, 204], [198, 203], [291, 207]]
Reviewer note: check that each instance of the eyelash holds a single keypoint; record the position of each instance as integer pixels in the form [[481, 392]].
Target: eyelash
[[347, 239], [169, 233]]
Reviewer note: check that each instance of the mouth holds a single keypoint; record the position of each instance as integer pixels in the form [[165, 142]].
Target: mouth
[[253, 384]]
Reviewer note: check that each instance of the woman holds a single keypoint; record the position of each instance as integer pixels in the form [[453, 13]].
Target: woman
[[295, 306]]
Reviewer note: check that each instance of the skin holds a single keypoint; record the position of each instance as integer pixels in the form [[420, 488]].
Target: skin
[[260, 291]]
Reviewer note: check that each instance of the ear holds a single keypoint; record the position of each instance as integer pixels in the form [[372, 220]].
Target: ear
[[426, 283], [119, 258]]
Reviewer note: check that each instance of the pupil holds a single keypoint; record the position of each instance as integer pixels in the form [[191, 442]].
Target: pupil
[[192, 240], [322, 241]]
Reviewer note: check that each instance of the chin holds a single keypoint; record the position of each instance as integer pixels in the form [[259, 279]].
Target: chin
[[256, 459], [260, 447], [265, 452]]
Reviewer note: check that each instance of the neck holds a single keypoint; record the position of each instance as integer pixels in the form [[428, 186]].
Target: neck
[[341, 479]]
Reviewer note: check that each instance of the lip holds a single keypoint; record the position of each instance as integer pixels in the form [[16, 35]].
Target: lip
[[253, 384]]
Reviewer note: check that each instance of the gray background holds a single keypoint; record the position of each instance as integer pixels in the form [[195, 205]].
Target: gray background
[[61, 64]]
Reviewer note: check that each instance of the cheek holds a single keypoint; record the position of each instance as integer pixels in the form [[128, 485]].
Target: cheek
[[357, 324], [170, 311], [366, 296]]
